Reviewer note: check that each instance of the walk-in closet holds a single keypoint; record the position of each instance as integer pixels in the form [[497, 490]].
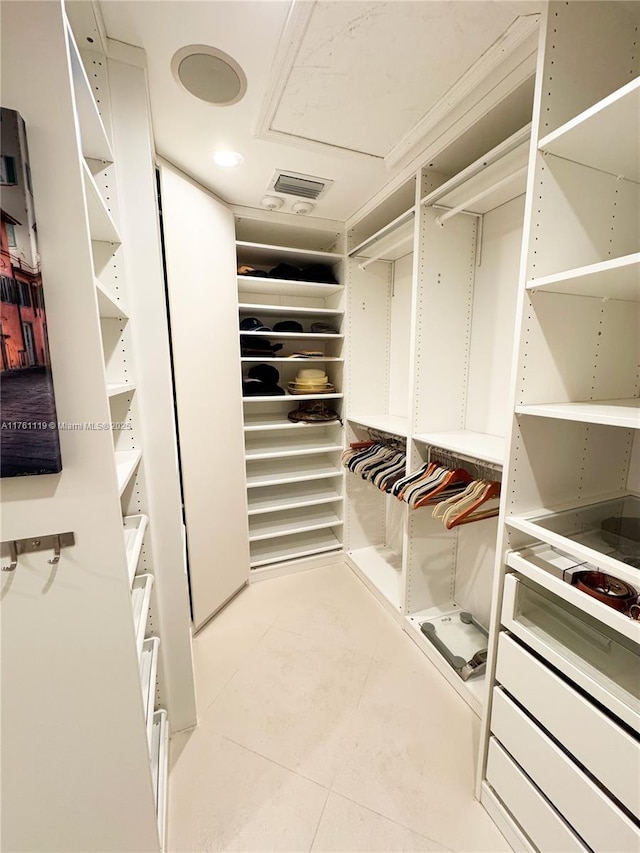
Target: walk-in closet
[[345, 549]]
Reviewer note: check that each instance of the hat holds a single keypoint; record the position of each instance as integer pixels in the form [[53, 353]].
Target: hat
[[285, 271], [252, 324], [318, 272], [245, 269], [324, 328], [313, 411], [288, 326], [262, 380], [258, 346], [310, 381]]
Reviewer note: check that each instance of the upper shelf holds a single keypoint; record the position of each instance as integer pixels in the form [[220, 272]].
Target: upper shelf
[[476, 445], [621, 413], [618, 278], [496, 178], [260, 253], [95, 142], [280, 286], [605, 137]]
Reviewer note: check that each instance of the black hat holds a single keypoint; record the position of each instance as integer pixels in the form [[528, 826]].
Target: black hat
[[318, 272], [262, 380], [288, 326], [285, 271], [266, 373], [252, 324], [324, 328], [258, 346]]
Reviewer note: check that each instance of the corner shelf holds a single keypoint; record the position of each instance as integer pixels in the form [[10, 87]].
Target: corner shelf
[[140, 600], [134, 527], [101, 225], [478, 445], [126, 464], [385, 423], [618, 278], [95, 142], [593, 137], [620, 413]]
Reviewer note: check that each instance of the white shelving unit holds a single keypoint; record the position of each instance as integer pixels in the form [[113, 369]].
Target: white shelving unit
[[294, 484], [466, 443], [148, 674], [134, 529], [159, 769], [140, 603], [572, 459]]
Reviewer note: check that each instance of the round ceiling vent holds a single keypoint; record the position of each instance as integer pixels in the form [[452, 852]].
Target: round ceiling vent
[[209, 74]]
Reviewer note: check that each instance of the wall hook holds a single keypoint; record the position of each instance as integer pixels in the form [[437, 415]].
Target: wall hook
[[14, 548], [53, 561], [13, 557]]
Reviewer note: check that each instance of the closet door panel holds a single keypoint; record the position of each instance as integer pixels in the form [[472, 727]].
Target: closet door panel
[[201, 272]]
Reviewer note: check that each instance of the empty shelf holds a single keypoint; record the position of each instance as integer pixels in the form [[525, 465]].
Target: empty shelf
[[140, 601], [270, 420], [293, 547], [107, 305], [251, 308], [382, 568], [296, 521], [94, 139], [386, 423], [160, 768], [115, 388], [279, 471], [618, 278], [622, 413], [299, 443], [476, 445], [134, 527], [594, 139], [293, 496], [148, 672], [126, 464], [283, 286], [101, 225]]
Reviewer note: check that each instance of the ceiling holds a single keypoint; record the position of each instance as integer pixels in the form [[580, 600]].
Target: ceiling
[[352, 92]]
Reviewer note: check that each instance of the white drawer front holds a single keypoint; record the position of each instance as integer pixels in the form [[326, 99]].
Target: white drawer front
[[597, 742], [599, 822], [538, 819]]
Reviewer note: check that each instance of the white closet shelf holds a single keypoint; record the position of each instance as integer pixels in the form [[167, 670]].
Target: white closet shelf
[[389, 243], [94, 139], [115, 388], [621, 413], [140, 600], [160, 769], [479, 445], [289, 398], [618, 278], [269, 421], [474, 690], [615, 620], [293, 310], [594, 137], [381, 569], [299, 521], [285, 286], [101, 226], [494, 179], [287, 471], [285, 360], [108, 306], [304, 496], [293, 548], [263, 254], [293, 445], [126, 464], [386, 423], [134, 527], [148, 673], [317, 336]]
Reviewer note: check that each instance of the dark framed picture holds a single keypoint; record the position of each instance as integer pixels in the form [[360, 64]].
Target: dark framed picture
[[29, 440]]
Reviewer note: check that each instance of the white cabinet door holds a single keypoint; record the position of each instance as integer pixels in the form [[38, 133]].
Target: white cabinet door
[[201, 271]]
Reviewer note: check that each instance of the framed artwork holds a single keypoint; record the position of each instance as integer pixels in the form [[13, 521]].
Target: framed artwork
[[29, 440]]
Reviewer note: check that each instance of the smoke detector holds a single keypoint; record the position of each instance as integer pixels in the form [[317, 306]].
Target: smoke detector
[[300, 186], [302, 207], [272, 202]]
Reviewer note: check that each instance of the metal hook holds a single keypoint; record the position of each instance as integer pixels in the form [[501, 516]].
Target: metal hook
[[13, 557], [53, 561]]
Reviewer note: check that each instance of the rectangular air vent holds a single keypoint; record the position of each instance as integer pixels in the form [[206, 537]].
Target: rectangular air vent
[[300, 186]]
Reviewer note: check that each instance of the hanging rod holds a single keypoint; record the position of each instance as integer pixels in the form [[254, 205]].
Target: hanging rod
[[383, 232], [460, 208], [390, 248]]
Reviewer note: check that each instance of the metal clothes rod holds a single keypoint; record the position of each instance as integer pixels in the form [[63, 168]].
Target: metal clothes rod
[[466, 204], [390, 248], [387, 230]]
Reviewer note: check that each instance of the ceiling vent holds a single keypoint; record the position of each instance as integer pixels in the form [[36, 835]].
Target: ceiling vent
[[300, 186]]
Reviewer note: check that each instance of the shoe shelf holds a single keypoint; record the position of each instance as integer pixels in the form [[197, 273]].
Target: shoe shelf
[[294, 496], [478, 445], [462, 639], [140, 601], [271, 310], [276, 472], [285, 287], [593, 137], [299, 443], [618, 278], [276, 336], [620, 413], [386, 423], [270, 421], [95, 142], [126, 463], [268, 255], [297, 546], [381, 569], [101, 225], [148, 673], [303, 520], [134, 527], [160, 769]]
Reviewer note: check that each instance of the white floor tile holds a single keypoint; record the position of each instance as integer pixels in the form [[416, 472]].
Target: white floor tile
[[346, 826], [223, 797], [291, 701]]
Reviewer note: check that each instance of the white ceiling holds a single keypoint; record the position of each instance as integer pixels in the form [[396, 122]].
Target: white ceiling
[[333, 87]]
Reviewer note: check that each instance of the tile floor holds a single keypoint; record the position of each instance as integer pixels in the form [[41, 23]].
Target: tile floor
[[322, 728]]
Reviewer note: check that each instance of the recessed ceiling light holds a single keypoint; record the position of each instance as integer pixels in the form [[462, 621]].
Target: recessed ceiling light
[[228, 158]]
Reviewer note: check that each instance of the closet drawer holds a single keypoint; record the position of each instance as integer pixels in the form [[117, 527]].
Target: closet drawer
[[537, 817], [598, 821], [603, 747]]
